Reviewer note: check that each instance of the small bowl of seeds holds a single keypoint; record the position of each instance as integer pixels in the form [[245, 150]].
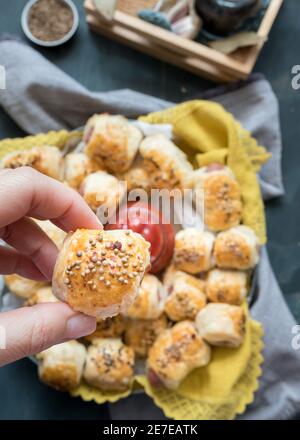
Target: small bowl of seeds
[[49, 23]]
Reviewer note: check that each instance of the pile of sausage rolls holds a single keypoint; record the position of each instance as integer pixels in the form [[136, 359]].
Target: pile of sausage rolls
[[171, 320]]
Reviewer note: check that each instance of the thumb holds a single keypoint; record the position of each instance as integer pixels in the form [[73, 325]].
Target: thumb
[[29, 330]]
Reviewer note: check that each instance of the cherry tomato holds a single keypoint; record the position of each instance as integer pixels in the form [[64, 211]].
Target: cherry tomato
[[147, 221]]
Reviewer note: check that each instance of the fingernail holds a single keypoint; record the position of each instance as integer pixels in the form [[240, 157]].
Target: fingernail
[[80, 325]]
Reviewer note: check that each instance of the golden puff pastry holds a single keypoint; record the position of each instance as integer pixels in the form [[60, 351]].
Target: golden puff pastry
[[61, 366], [42, 295], [171, 273], [149, 301], [175, 353], [99, 272], [112, 141], [217, 189], [185, 297], [226, 286], [56, 234], [137, 178], [193, 250], [165, 163], [47, 160], [22, 287], [109, 365], [101, 189], [108, 328], [222, 324], [77, 167], [237, 248], [140, 334]]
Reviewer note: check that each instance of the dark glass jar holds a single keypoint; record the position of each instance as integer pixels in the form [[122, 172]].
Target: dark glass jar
[[226, 16]]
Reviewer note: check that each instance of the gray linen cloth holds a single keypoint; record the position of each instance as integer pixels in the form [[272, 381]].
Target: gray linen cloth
[[40, 97]]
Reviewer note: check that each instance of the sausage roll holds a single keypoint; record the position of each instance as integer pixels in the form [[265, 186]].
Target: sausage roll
[[222, 324], [22, 287], [237, 248], [226, 286], [77, 167], [109, 365], [171, 273], [165, 163], [175, 353], [99, 272], [61, 366], [140, 334], [112, 141], [108, 328], [185, 297], [193, 250], [47, 160], [137, 178], [101, 189], [56, 234], [42, 295], [217, 189], [149, 301]]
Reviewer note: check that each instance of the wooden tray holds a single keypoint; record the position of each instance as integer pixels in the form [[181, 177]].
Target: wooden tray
[[195, 57]]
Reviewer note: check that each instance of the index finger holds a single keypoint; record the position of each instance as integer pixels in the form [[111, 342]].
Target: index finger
[[26, 192]]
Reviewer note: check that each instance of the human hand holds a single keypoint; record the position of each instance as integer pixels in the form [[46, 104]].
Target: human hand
[[26, 193]]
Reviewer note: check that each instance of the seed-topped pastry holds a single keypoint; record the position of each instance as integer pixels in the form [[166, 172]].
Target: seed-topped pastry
[[108, 328], [193, 250], [237, 248], [101, 189], [46, 159], [109, 365], [22, 287], [141, 333], [165, 163], [99, 272], [77, 167], [222, 324], [217, 189], [175, 353], [42, 295], [149, 301], [185, 297], [226, 286], [61, 366], [112, 141]]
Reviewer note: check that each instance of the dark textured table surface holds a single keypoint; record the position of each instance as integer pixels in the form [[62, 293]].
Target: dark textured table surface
[[102, 65]]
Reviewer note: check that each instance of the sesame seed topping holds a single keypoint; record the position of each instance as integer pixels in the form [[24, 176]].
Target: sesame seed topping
[[91, 266], [124, 272], [135, 274], [89, 282], [79, 253], [121, 279], [87, 271], [125, 281], [94, 270], [116, 251], [103, 252], [100, 238], [66, 281], [107, 245], [101, 278], [101, 270], [94, 286], [94, 258], [99, 263], [82, 274], [108, 283], [130, 242], [134, 264], [105, 263]]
